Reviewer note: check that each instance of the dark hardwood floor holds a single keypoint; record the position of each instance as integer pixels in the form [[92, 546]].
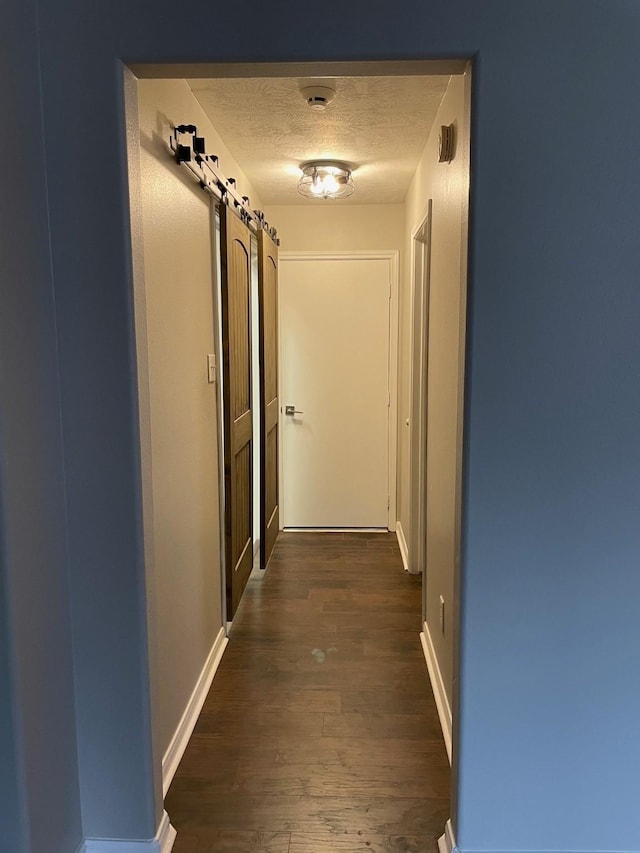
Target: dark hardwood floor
[[320, 732]]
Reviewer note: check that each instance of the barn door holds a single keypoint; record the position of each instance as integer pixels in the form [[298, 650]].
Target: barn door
[[236, 349], [269, 410]]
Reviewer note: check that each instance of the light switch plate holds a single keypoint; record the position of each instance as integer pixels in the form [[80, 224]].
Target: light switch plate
[[211, 367]]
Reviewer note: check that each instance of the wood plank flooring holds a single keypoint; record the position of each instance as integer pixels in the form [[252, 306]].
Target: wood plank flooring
[[320, 732]]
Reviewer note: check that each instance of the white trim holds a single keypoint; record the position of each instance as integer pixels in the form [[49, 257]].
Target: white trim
[[214, 219], [161, 843], [419, 349], [166, 834], [393, 257], [402, 544], [437, 683], [181, 736], [447, 842], [336, 530], [280, 459], [394, 329]]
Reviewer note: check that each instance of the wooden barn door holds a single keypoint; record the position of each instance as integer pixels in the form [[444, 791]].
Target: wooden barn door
[[269, 406], [236, 349]]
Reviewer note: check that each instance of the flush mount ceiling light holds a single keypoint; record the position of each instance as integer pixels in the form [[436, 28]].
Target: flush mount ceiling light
[[325, 179]]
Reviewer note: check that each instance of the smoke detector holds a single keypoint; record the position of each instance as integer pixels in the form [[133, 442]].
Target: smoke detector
[[318, 97]]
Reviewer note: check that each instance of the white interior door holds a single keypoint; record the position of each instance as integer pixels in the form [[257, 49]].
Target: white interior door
[[334, 333]]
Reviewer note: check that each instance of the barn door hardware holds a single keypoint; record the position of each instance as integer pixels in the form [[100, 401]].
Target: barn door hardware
[[189, 149]]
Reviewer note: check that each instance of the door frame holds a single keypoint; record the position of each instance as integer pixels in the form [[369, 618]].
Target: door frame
[[216, 279], [393, 257], [418, 415], [267, 311]]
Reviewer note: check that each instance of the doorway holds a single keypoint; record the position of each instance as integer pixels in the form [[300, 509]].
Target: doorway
[[368, 226]]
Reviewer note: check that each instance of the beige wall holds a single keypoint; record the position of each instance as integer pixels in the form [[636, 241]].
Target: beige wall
[[447, 185], [178, 310], [328, 227], [175, 314]]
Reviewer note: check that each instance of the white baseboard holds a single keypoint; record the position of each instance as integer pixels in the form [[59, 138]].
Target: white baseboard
[[447, 842], [402, 543], [334, 529], [166, 834], [179, 741], [440, 694], [162, 843]]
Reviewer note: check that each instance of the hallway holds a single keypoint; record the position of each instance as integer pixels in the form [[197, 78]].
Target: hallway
[[320, 732]]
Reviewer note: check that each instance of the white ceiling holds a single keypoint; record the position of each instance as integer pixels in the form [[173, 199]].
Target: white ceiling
[[378, 124]]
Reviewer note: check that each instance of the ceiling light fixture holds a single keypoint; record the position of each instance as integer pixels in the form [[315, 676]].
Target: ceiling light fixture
[[325, 179]]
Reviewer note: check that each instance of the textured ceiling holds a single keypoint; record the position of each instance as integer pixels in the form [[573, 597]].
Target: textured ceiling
[[378, 124]]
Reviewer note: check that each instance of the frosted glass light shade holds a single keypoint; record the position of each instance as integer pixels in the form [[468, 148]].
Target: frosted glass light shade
[[325, 179]]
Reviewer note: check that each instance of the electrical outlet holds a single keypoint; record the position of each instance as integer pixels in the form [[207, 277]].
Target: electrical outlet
[[442, 614]]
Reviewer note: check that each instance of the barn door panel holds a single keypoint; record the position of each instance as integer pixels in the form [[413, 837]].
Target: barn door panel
[[236, 348]]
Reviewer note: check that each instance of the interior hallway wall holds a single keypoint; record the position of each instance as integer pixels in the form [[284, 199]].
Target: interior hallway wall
[[329, 226], [39, 787], [447, 184], [179, 282], [552, 414]]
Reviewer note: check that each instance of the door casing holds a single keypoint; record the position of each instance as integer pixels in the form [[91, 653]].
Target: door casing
[[419, 349]]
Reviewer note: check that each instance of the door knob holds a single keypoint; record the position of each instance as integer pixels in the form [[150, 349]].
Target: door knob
[[291, 410]]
